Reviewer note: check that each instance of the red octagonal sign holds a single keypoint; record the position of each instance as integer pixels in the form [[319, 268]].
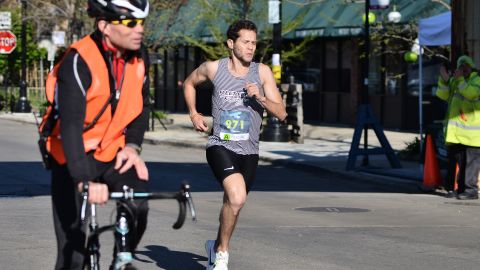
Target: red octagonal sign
[[8, 42]]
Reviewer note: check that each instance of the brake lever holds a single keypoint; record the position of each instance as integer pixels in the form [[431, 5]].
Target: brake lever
[[188, 196], [191, 206], [84, 202]]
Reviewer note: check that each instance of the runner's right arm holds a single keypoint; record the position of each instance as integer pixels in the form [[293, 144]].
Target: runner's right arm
[[205, 71]]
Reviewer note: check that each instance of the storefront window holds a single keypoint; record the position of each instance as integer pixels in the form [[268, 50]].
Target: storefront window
[[331, 66], [307, 70], [430, 76], [346, 65]]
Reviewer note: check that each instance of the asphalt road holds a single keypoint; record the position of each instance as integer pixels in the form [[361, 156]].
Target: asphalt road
[[292, 220]]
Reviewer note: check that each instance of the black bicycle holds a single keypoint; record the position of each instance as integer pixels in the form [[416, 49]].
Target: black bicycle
[[123, 259]]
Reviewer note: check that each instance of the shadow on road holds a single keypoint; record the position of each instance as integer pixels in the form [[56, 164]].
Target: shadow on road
[[24, 179], [31, 179], [173, 260]]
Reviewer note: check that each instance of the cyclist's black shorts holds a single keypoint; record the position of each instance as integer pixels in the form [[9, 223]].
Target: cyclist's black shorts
[[224, 162]]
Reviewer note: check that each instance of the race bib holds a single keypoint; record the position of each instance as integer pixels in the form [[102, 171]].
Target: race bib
[[234, 125]]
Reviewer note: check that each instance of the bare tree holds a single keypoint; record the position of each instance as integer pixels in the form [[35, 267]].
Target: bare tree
[[53, 15], [164, 14]]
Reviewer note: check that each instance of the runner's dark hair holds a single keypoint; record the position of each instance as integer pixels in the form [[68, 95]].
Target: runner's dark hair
[[235, 27]]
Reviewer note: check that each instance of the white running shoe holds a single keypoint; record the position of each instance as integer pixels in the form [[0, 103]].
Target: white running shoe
[[221, 261], [210, 249]]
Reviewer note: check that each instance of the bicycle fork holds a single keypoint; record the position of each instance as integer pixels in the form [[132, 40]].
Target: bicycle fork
[[93, 244], [123, 240]]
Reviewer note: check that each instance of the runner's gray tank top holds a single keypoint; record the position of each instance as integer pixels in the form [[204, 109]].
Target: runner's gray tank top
[[236, 117]]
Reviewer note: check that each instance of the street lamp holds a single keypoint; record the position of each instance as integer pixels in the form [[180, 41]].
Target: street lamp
[[23, 104], [394, 16]]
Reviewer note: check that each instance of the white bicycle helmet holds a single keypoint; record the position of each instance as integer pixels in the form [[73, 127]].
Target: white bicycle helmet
[[118, 9]]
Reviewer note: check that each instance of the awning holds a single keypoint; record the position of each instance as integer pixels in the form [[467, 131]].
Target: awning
[[436, 30], [333, 18]]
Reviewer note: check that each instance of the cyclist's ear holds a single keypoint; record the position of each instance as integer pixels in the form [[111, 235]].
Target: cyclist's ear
[[102, 25]]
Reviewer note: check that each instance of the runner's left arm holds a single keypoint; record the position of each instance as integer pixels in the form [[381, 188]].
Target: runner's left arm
[[272, 101]]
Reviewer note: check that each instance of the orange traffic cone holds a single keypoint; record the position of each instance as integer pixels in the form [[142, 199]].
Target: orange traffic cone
[[431, 171]]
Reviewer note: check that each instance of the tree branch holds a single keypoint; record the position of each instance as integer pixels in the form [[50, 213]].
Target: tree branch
[[442, 3]]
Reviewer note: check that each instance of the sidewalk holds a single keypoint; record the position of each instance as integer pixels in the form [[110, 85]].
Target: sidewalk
[[324, 148]]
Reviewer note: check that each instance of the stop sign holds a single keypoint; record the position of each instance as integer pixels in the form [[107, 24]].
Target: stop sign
[[8, 42]]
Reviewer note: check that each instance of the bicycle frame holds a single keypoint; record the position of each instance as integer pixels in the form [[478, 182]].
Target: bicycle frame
[[92, 258]]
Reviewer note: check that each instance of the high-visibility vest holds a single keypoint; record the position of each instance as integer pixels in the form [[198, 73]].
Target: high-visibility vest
[[107, 135], [462, 123]]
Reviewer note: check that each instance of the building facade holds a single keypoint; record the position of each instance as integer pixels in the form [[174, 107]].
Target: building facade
[[331, 70], [466, 29]]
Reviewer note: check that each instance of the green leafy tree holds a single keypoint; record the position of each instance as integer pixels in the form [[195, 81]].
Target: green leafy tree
[[164, 15], [399, 38]]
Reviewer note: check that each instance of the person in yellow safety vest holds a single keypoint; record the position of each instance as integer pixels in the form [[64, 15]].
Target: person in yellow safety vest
[[455, 151], [463, 122]]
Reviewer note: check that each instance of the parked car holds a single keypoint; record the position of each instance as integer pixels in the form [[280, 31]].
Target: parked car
[[413, 88], [308, 78]]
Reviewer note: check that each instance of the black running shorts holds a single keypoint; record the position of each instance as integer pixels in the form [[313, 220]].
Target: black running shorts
[[224, 162]]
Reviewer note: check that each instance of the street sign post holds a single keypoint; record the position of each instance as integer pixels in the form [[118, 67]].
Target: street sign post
[[58, 38], [5, 20], [8, 42]]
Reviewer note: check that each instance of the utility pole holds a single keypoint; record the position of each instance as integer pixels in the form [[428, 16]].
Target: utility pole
[[23, 104], [366, 74], [274, 130]]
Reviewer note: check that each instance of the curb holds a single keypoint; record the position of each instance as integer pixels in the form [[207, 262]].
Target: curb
[[406, 177], [173, 143], [394, 180]]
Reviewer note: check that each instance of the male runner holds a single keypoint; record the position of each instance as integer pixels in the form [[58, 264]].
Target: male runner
[[242, 90]]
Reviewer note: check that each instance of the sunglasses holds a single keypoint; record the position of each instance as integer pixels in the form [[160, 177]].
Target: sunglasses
[[131, 23]]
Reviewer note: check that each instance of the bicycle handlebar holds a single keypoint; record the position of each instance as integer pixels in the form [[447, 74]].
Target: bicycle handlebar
[[183, 198]]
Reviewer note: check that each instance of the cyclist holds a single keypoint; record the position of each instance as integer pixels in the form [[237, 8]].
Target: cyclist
[[242, 90], [101, 83]]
